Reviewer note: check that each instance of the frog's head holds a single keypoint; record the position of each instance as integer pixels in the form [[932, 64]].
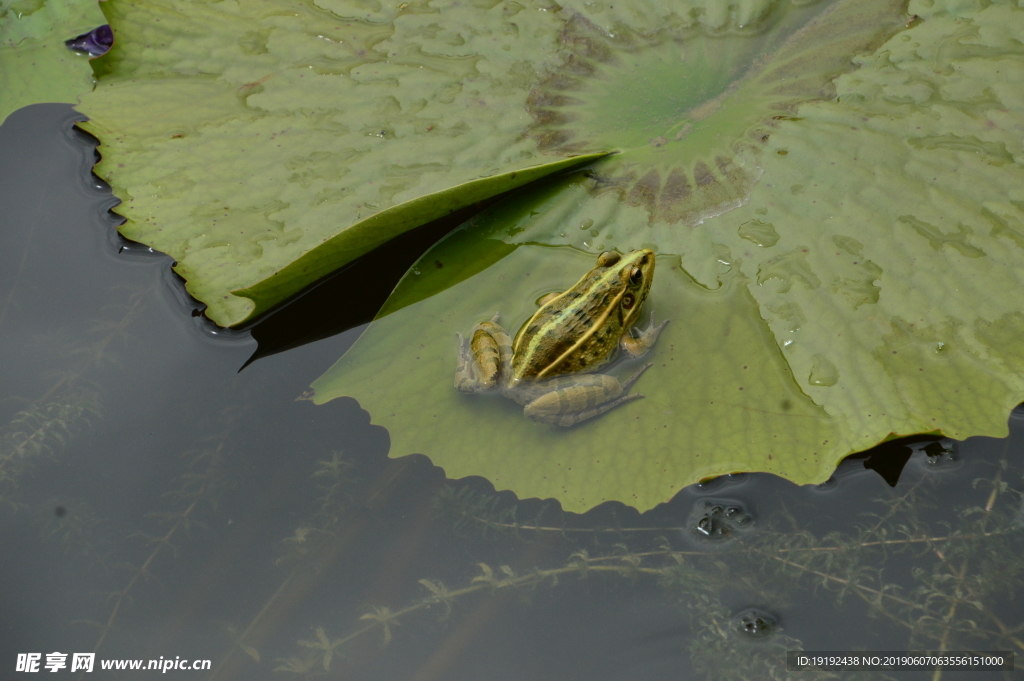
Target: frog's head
[[633, 274]]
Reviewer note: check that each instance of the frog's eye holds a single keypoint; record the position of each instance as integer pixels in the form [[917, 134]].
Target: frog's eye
[[607, 259], [636, 276]]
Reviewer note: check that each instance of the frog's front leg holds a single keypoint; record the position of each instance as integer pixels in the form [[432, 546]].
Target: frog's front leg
[[484, 359], [639, 346], [568, 400]]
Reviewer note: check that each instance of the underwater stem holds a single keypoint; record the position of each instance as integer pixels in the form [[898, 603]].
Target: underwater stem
[[944, 641], [164, 541]]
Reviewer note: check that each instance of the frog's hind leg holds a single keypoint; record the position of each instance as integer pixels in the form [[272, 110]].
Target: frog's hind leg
[[500, 353], [467, 379], [484, 358], [584, 398]]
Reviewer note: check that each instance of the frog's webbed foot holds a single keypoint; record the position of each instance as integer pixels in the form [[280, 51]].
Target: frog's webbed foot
[[641, 345], [583, 398]]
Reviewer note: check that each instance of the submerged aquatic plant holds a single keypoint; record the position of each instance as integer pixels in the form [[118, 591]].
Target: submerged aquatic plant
[[205, 476], [81, 532], [309, 551], [69, 399], [940, 584], [39, 432]]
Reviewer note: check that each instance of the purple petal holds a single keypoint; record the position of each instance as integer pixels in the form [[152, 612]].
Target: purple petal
[[94, 43]]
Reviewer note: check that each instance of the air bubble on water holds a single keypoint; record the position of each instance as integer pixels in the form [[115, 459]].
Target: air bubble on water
[[940, 453], [755, 623], [717, 520]]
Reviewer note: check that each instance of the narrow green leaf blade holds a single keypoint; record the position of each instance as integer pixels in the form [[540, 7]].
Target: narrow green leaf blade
[[364, 236]]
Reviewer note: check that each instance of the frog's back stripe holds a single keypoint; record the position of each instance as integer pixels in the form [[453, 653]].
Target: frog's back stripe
[[553, 305], [598, 324]]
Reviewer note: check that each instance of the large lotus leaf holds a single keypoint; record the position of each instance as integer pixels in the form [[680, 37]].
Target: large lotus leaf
[[264, 143], [864, 286], [35, 66]]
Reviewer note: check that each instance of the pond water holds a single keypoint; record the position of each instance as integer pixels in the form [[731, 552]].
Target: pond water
[[159, 503]]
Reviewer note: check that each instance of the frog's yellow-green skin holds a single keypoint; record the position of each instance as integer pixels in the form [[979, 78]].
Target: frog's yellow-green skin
[[546, 368]]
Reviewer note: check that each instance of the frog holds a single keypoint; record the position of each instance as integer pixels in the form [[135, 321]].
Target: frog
[[551, 366]]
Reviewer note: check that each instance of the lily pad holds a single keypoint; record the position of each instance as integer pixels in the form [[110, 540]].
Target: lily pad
[[714, 399], [35, 65], [850, 277], [264, 144]]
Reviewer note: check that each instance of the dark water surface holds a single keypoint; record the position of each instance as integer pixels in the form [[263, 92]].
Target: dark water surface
[[156, 502]]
